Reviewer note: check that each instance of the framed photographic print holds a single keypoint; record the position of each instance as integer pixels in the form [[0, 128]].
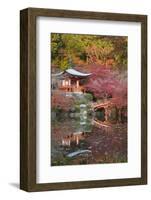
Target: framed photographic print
[[83, 93]]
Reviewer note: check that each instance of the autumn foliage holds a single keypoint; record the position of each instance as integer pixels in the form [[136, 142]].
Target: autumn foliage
[[60, 101], [72, 49], [107, 83], [105, 57]]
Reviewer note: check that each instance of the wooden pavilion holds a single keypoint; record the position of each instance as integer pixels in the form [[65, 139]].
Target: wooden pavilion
[[70, 80]]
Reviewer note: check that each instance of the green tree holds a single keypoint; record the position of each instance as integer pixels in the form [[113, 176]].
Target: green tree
[[70, 49]]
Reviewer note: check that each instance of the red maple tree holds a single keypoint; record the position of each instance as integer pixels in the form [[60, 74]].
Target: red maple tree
[[107, 83]]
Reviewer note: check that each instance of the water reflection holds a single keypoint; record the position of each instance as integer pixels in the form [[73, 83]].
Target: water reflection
[[87, 140]]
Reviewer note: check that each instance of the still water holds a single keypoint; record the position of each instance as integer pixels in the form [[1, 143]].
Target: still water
[[80, 140]]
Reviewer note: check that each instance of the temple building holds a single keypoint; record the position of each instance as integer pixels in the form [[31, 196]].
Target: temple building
[[70, 80]]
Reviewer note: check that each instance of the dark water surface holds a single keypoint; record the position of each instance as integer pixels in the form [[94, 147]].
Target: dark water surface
[[85, 141]]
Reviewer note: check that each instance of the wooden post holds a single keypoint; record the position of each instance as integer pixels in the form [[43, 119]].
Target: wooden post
[[77, 83], [70, 85], [63, 82], [69, 82]]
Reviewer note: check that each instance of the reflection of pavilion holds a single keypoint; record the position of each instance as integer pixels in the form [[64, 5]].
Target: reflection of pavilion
[[70, 80], [75, 137]]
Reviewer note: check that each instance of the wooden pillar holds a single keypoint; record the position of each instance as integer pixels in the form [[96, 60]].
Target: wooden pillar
[[63, 82], [77, 84], [77, 140], [69, 82], [69, 85]]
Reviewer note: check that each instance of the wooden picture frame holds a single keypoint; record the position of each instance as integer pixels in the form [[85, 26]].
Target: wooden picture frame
[[28, 98]]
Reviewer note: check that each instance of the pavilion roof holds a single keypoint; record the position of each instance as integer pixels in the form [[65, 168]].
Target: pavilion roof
[[73, 72]]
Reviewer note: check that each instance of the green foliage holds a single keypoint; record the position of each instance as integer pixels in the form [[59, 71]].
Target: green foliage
[[63, 161], [88, 97], [87, 49], [64, 64]]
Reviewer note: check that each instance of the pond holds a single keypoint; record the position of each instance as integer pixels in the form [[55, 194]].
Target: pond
[[85, 140]]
